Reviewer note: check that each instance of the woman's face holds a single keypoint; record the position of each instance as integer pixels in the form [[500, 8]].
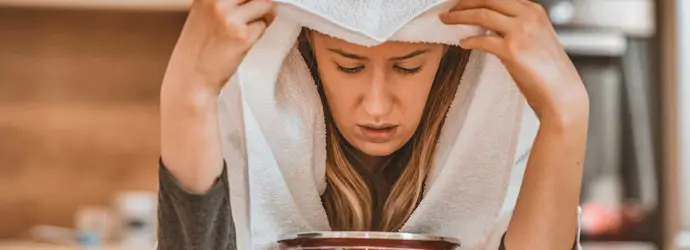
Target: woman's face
[[376, 94]]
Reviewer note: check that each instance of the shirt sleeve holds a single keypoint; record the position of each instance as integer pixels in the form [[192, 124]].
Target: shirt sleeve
[[189, 221]]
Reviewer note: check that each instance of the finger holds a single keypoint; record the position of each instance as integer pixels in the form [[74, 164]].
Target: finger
[[506, 7], [232, 2], [270, 17], [222, 5], [228, 5], [204, 1], [488, 43], [484, 18], [252, 10], [255, 30], [534, 6]]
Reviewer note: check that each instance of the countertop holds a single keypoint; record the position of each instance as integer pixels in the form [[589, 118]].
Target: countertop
[[24, 245]]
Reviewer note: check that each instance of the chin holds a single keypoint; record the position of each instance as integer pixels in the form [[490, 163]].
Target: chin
[[378, 149]]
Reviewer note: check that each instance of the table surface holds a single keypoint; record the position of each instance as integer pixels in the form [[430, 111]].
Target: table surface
[[24, 245]]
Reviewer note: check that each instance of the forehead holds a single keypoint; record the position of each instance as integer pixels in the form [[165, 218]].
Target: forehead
[[388, 49]]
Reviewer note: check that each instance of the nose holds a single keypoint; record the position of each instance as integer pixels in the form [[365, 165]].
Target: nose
[[377, 101]]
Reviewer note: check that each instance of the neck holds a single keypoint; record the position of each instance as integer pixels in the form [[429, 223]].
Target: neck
[[373, 163]]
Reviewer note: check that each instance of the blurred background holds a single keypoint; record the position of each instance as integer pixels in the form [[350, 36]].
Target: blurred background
[[79, 139]]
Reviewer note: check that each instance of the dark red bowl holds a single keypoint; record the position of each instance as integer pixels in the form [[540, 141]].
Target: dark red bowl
[[366, 240]]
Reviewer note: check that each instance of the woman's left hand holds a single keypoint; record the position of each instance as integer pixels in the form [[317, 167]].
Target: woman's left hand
[[528, 46], [545, 216]]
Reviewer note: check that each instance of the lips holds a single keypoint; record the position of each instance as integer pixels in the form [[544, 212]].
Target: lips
[[378, 134]]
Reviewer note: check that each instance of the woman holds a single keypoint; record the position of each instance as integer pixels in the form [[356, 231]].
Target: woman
[[384, 108]]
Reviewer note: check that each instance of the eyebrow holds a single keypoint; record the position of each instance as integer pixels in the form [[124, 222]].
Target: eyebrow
[[358, 57]]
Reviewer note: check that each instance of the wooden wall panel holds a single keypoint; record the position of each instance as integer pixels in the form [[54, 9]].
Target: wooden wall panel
[[78, 109]]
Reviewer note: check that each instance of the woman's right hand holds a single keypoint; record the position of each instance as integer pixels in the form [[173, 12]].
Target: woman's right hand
[[217, 36], [214, 41]]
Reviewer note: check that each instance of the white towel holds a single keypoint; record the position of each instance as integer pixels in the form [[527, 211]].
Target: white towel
[[273, 127]]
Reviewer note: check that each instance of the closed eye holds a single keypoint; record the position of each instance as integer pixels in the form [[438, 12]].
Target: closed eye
[[350, 70], [408, 71]]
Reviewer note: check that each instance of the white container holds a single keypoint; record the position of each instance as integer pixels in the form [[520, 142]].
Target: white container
[[137, 218]]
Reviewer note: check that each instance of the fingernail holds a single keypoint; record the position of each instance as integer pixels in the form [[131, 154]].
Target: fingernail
[[442, 16]]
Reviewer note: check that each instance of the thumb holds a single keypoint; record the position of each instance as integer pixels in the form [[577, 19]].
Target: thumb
[[255, 30], [270, 17]]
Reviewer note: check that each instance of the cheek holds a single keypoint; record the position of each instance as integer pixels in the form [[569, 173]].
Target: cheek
[[342, 98], [413, 95]]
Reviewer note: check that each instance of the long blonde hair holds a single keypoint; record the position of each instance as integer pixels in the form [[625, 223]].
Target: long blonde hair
[[348, 197]]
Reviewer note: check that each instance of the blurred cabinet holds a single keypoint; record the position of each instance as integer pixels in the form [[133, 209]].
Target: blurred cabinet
[[683, 97], [78, 109], [614, 44]]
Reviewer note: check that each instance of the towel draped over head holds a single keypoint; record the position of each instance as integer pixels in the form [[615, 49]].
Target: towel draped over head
[[274, 134]]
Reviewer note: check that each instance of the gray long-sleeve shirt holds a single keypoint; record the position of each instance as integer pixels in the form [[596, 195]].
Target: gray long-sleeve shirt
[[194, 222]]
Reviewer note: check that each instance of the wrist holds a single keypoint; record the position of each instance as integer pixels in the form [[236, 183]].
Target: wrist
[[567, 113], [565, 123], [182, 78], [188, 93]]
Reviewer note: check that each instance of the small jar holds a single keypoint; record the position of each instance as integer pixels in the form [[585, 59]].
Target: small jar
[[366, 240]]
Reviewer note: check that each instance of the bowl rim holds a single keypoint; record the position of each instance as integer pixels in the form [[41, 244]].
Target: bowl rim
[[366, 235]]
